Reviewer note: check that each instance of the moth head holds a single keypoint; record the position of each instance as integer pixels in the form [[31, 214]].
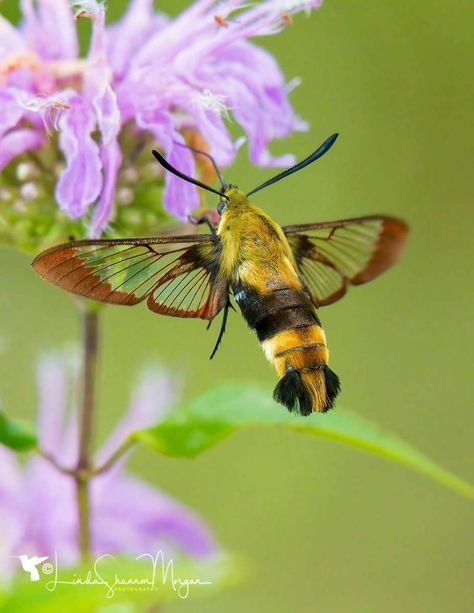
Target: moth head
[[232, 197]]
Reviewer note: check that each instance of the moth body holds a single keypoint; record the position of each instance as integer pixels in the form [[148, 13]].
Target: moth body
[[260, 267]]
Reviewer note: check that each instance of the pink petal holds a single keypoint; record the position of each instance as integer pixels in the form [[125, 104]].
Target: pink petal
[[52, 388], [51, 521], [11, 41], [253, 84], [111, 157], [16, 142], [12, 478], [81, 181], [11, 111], [153, 399], [132, 517], [98, 89], [139, 23], [211, 126], [50, 28], [179, 197]]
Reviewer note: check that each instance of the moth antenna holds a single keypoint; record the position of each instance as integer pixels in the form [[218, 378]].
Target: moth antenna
[[209, 157], [320, 151], [167, 166]]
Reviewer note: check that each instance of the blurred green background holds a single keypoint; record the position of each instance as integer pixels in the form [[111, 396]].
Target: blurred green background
[[328, 528]]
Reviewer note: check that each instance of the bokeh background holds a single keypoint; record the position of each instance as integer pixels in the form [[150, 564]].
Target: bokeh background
[[327, 528]]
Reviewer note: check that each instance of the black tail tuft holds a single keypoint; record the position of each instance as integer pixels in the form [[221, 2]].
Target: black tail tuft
[[299, 393], [292, 392], [333, 386]]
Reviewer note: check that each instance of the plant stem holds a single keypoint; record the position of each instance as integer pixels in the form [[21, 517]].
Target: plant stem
[[92, 471], [127, 444], [90, 335], [57, 465]]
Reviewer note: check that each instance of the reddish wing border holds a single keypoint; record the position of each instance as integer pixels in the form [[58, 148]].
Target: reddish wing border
[[126, 271], [384, 248]]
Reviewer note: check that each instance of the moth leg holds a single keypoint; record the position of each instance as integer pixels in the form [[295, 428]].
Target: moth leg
[[200, 220], [228, 305]]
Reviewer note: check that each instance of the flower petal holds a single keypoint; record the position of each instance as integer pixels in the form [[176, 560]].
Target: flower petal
[[52, 388], [81, 181], [50, 29], [179, 197], [12, 511], [126, 36], [11, 40], [132, 517], [11, 111], [220, 61], [253, 84], [266, 18], [98, 89], [12, 478], [105, 105], [111, 157], [154, 397], [17, 142], [98, 77], [51, 516], [208, 121], [7, 562]]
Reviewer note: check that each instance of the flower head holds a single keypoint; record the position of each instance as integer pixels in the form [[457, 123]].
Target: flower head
[[38, 513], [146, 81]]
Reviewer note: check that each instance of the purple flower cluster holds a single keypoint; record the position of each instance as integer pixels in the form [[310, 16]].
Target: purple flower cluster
[[38, 513], [145, 76]]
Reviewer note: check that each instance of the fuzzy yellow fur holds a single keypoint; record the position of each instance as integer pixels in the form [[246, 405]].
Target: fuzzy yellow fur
[[255, 250], [292, 338]]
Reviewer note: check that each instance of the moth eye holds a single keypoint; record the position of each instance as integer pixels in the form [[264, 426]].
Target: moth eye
[[221, 206]]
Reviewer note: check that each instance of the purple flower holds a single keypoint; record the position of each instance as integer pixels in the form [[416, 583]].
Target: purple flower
[[38, 514], [146, 78]]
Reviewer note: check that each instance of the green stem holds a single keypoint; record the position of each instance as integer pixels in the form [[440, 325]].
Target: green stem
[[83, 506], [92, 471], [127, 444], [90, 333], [57, 465]]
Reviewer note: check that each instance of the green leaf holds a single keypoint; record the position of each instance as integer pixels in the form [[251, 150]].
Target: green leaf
[[214, 415], [16, 434], [93, 588]]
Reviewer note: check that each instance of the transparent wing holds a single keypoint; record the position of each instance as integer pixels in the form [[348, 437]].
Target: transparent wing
[[178, 275], [330, 255]]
